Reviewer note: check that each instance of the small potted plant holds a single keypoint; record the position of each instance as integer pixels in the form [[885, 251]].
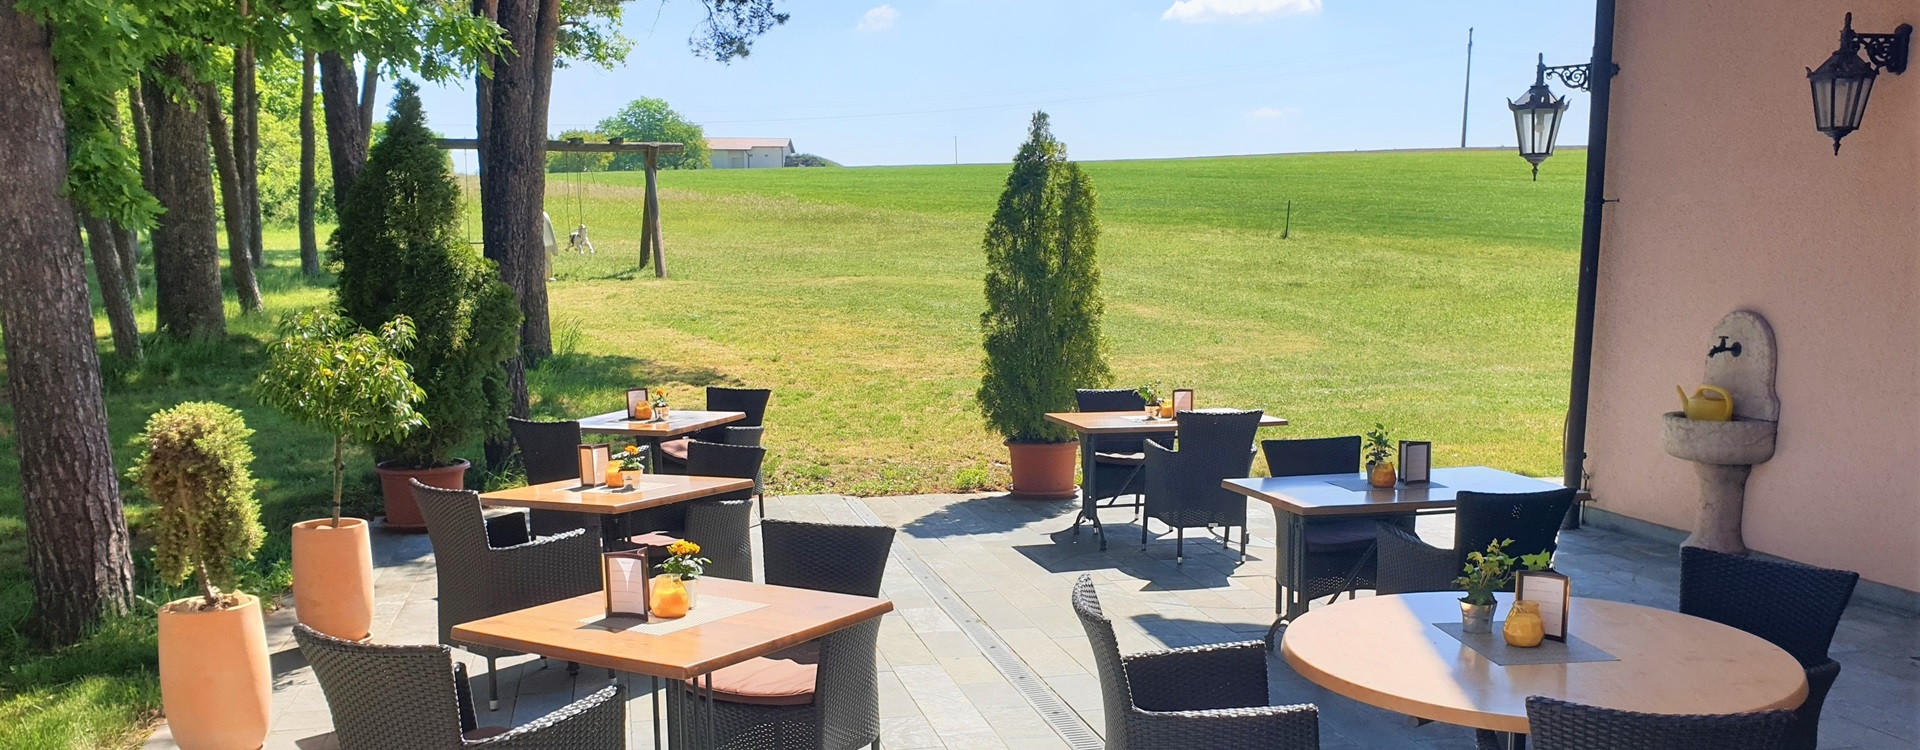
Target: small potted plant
[[626, 464], [327, 372], [673, 590], [215, 683], [1485, 573], [660, 406], [1380, 470], [1150, 393]]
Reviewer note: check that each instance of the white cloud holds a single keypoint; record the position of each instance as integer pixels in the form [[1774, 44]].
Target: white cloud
[[1274, 113], [1204, 11], [882, 17]]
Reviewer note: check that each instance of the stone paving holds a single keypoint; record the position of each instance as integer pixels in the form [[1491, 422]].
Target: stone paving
[[1009, 565]]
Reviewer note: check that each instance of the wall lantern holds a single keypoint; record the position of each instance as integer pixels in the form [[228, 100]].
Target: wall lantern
[[1842, 84], [1537, 114]]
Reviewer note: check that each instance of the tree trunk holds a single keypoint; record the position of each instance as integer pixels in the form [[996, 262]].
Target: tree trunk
[[102, 244], [369, 83], [513, 179], [483, 86], [233, 204], [246, 144], [309, 241], [127, 241], [142, 135], [186, 251], [346, 136], [76, 535]]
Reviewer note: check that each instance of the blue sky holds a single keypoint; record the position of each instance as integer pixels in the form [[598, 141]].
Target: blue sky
[[895, 82]]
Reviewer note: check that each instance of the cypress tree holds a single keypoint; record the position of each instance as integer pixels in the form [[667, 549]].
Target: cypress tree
[[1041, 330]]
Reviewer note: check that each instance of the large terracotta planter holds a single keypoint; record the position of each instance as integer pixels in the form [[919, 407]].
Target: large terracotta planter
[[402, 513], [333, 577], [1043, 471], [215, 684]]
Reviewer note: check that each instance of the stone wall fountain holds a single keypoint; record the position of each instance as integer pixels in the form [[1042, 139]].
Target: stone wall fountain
[[1741, 360]]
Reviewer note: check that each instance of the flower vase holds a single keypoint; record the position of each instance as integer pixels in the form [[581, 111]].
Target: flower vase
[[1524, 628], [1382, 475], [669, 596]]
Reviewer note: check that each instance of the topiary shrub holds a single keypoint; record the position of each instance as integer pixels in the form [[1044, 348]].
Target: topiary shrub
[[401, 253], [1041, 330], [193, 464]]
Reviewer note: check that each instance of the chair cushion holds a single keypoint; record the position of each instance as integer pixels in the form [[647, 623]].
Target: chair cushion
[[652, 539], [675, 449], [783, 678], [1341, 536], [1123, 459]]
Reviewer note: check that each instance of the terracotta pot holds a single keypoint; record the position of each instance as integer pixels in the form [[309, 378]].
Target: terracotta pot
[[333, 577], [1382, 475], [402, 513], [1043, 471], [215, 684]]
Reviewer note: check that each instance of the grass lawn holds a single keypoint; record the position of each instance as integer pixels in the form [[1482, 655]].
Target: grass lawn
[[1429, 291]]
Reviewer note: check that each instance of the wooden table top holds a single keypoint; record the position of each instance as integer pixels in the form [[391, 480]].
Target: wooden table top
[[1123, 422], [571, 630], [1383, 651], [1315, 495], [654, 490], [679, 422]]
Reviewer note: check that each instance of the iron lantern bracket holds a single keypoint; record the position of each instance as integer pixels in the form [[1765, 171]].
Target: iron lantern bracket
[[1887, 51], [1574, 76]]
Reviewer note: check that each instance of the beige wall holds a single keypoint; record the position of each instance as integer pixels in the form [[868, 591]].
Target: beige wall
[[1729, 199]]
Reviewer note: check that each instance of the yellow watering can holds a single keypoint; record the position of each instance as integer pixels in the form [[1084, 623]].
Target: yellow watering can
[[1708, 403]]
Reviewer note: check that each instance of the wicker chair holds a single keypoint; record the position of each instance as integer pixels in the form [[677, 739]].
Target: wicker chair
[[1339, 555], [751, 401], [1200, 696], [416, 697], [722, 524], [1119, 461], [831, 695], [1559, 725], [1530, 519], [479, 579], [1183, 487], [1796, 607], [549, 451]]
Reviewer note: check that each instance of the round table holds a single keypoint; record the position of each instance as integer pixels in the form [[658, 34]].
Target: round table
[[1384, 651]]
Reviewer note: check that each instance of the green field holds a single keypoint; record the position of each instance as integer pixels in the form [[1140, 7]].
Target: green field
[[1431, 291]]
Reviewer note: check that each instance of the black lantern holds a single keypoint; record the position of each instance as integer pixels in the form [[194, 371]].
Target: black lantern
[[1842, 84], [1536, 119]]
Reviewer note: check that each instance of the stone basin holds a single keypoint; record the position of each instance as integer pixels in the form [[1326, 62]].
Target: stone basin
[[1741, 442]]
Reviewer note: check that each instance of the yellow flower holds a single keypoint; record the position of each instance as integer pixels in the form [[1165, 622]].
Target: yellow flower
[[683, 548], [631, 450]]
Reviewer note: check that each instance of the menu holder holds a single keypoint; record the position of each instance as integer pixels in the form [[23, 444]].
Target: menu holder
[[1553, 592], [624, 580], [1182, 399], [594, 458], [636, 398], [1416, 461]]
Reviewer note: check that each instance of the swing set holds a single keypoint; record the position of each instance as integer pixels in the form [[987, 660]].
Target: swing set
[[577, 240]]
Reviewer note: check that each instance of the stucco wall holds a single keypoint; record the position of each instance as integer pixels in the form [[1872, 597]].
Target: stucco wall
[[1728, 200]]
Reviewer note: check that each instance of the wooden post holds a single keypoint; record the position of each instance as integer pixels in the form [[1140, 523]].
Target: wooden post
[[650, 218], [646, 210]]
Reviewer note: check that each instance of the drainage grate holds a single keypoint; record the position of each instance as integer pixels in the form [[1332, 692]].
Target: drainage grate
[[1054, 711]]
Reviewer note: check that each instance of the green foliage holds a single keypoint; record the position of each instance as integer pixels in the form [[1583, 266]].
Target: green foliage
[[402, 253], [1492, 570], [193, 463], [649, 119], [280, 146], [1150, 392], [579, 161], [590, 33], [1379, 445], [810, 160], [1041, 329]]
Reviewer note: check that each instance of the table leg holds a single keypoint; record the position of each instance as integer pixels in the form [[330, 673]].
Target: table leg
[[1511, 740], [713, 735], [659, 717], [610, 532], [1288, 580], [1089, 508]]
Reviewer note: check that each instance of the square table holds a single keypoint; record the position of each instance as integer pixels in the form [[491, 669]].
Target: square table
[[1295, 499], [679, 422], [572, 630], [654, 490], [1091, 426]]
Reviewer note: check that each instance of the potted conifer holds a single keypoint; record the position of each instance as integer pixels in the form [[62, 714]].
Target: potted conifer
[[1041, 329], [401, 252], [326, 372], [215, 684]]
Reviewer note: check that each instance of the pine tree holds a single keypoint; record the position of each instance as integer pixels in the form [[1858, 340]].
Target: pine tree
[[1041, 330]]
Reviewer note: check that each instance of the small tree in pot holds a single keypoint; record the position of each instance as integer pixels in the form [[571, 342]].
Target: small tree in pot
[[214, 678], [1041, 330], [329, 373]]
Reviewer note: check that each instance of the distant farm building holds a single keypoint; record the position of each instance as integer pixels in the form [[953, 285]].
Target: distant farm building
[[749, 153]]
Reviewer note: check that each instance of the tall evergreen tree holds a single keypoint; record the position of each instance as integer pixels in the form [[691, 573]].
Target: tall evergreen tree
[[1041, 330]]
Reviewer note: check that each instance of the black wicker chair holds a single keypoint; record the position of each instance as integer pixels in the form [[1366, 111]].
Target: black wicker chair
[[1119, 460], [1183, 486], [1559, 725], [478, 578], [549, 451], [751, 401], [832, 697], [1530, 519], [1339, 555], [1796, 607], [722, 524], [416, 697], [1200, 696]]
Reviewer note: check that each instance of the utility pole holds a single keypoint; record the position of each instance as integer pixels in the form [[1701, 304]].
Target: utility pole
[[956, 150], [1466, 94]]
